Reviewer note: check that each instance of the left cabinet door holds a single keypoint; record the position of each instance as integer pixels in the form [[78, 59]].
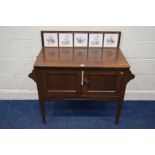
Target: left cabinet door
[[59, 83]]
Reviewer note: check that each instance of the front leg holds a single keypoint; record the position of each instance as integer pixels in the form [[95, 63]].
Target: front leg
[[33, 75], [42, 109], [125, 78], [119, 110]]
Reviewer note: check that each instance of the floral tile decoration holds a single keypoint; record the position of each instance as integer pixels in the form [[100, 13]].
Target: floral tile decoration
[[81, 39], [50, 39], [65, 39], [95, 40], [111, 40]]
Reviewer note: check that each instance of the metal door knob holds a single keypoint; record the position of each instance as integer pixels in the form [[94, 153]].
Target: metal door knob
[[86, 81]]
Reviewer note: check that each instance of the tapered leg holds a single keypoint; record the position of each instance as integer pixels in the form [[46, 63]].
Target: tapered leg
[[42, 109], [119, 110]]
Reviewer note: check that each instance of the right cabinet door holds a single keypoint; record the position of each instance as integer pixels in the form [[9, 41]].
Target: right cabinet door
[[101, 83]]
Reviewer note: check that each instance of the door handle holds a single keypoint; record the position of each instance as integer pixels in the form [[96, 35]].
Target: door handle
[[82, 76], [86, 81]]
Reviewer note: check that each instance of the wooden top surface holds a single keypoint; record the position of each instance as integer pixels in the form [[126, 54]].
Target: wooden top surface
[[81, 57]]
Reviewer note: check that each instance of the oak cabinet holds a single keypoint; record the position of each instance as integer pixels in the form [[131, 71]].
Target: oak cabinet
[[69, 73]]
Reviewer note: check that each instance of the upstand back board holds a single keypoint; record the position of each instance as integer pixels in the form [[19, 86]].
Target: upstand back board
[[81, 65]]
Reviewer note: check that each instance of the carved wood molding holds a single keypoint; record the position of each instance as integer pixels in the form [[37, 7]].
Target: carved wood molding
[[128, 76], [32, 75]]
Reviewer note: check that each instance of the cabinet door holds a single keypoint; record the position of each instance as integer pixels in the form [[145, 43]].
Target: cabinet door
[[60, 83], [101, 83]]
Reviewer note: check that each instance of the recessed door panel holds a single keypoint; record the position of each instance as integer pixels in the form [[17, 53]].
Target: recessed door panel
[[101, 83], [61, 83]]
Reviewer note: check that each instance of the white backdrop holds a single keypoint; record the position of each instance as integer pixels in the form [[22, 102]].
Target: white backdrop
[[19, 47]]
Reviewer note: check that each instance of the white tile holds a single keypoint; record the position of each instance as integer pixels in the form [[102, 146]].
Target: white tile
[[25, 53], [140, 95], [19, 44], [32, 95], [14, 47], [141, 33], [8, 82], [24, 49], [20, 48], [35, 46], [6, 67], [5, 51], [142, 66], [24, 82], [138, 50], [8, 96], [142, 82], [20, 32], [17, 94], [22, 66]]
